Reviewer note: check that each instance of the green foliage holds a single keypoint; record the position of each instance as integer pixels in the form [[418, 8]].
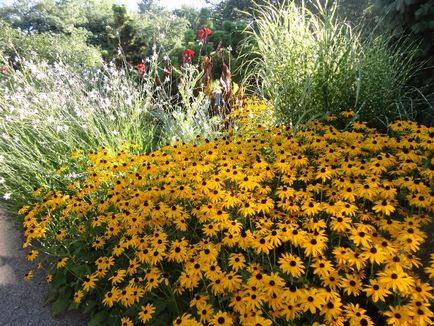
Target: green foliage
[[44, 15], [162, 29], [147, 5], [415, 19], [71, 48], [124, 34], [356, 11], [313, 64]]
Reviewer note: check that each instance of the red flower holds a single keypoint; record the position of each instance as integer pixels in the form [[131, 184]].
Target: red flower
[[203, 33], [187, 55], [141, 68]]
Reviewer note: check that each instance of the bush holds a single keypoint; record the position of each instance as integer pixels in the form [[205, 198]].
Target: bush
[[310, 64], [71, 48], [283, 228], [47, 111]]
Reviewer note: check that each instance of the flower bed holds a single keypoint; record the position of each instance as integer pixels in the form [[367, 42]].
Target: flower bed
[[281, 228]]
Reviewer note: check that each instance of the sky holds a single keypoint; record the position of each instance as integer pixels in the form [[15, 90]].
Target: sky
[[169, 4]]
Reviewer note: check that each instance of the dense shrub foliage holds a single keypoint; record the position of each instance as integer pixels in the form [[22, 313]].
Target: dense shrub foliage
[[51, 47], [281, 227]]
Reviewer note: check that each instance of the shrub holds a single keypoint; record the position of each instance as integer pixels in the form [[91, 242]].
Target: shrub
[[310, 64], [71, 48], [47, 111], [283, 228]]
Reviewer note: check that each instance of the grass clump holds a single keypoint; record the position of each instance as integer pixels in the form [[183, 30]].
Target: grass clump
[[321, 225], [308, 63]]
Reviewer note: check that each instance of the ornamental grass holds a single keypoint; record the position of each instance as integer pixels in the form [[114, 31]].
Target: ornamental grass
[[319, 226]]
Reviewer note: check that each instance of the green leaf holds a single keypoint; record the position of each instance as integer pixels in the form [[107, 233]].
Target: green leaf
[[60, 305], [162, 320], [99, 319], [58, 279], [80, 270], [52, 295], [90, 305]]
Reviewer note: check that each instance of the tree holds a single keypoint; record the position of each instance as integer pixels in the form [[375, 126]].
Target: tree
[[41, 16], [146, 5], [71, 49], [123, 33]]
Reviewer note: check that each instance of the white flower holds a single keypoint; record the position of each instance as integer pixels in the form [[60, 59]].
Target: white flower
[[2, 180], [7, 196]]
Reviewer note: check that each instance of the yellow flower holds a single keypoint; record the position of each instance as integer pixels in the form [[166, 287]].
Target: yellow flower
[[396, 280], [311, 300], [126, 321], [28, 276], [315, 246], [111, 297], [221, 318], [398, 315], [31, 256], [89, 282], [237, 261], [383, 206], [376, 291], [118, 276], [351, 285], [324, 173], [146, 313], [78, 296], [331, 309], [291, 265], [62, 262]]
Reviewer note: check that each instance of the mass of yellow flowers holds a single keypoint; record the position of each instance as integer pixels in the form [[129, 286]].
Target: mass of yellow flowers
[[321, 226]]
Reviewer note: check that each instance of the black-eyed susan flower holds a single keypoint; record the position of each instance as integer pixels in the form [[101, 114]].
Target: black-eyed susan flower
[[332, 310], [291, 265], [78, 296], [315, 246], [397, 315], [221, 318], [110, 297], [422, 291], [396, 280], [126, 321], [237, 261], [376, 291], [28, 276], [62, 262], [352, 285], [311, 300], [31, 256], [146, 312], [205, 312], [421, 313], [89, 282], [384, 207], [118, 276]]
